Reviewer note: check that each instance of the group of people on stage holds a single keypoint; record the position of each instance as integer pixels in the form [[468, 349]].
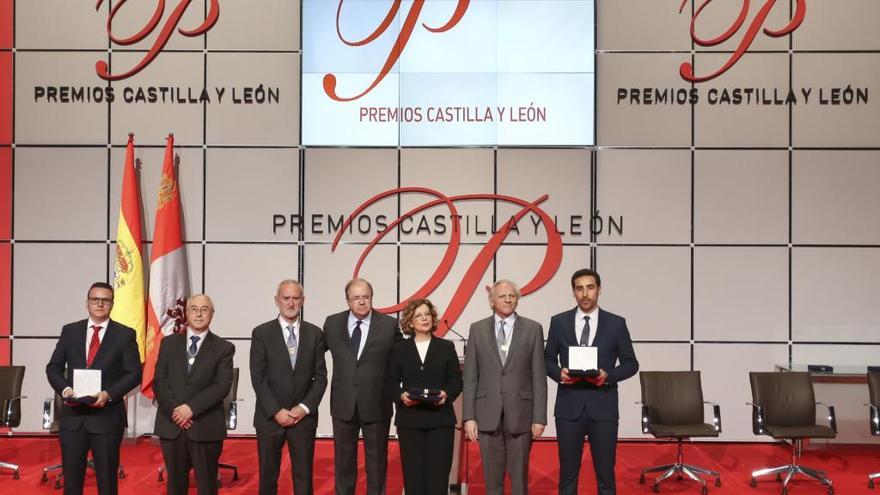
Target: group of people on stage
[[503, 389]]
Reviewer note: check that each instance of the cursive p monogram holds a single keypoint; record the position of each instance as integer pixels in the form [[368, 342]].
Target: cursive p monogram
[[167, 30], [687, 70], [474, 274], [402, 38]]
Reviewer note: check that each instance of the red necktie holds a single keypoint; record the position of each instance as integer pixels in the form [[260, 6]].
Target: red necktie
[[93, 346]]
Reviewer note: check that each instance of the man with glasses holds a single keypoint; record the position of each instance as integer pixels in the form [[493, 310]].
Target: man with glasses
[[193, 376], [96, 422], [360, 341], [289, 375]]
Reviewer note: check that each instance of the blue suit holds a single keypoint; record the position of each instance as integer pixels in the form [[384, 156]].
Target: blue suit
[[583, 408]]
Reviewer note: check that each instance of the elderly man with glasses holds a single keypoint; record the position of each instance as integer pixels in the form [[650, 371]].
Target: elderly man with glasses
[[360, 341]]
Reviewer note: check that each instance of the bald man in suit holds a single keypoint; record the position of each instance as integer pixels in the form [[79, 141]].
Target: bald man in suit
[[289, 375], [193, 376], [360, 340]]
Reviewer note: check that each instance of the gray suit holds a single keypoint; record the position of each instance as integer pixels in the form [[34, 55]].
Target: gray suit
[[505, 399]]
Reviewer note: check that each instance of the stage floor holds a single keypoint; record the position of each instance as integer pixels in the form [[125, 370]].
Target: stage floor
[[848, 467]]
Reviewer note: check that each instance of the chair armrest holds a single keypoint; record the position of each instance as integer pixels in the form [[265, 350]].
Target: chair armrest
[[48, 413], [7, 409], [832, 418], [232, 416], [759, 427], [646, 420], [716, 415], [875, 419]]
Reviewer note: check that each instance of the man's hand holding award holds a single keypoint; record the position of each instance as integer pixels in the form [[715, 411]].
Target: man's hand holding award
[[583, 366], [86, 389]]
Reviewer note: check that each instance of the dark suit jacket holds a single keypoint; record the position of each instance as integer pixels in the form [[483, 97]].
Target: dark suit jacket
[[360, 382], [517, 388], [440, 370], [279, 386], [120, 366], [615, 345], [202, 388]]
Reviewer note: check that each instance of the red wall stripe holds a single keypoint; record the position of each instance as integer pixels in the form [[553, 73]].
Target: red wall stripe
[[6, 23], [6, 43], [4, 352], [5, 97]]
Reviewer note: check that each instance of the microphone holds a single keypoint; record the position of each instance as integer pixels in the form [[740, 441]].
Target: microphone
[[460, 336]]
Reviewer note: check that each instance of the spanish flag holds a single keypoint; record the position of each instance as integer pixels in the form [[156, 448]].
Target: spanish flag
[[169, 279], [128, 281]]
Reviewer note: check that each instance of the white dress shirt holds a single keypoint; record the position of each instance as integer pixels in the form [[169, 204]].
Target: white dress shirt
[[579, 324], [365, 330]]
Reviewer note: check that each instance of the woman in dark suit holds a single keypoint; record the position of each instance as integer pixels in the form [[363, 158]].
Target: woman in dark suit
[[426, 431]]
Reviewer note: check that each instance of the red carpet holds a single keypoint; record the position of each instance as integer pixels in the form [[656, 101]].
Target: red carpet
[[847, 466]]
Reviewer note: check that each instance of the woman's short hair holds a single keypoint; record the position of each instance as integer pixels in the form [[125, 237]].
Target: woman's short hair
[[406, 318]]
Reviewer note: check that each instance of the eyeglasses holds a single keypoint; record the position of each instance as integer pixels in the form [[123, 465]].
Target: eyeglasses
[[358, 299], [100, 301]]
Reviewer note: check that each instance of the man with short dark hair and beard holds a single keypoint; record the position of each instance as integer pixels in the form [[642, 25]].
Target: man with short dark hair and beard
[[360, 341], [289, 376], [96, 343], [587, 406], [193, 376]]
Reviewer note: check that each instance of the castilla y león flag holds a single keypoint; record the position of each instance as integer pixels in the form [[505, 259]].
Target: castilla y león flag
[[168, 273], [128, 278]]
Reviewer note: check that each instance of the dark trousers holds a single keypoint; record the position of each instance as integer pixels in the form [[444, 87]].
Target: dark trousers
[[345, 441], [301, 448], [183, 454], [75, 447], [426, 457], [603, 449]]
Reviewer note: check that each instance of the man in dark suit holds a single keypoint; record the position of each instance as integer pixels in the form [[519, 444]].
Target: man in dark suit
[[588, 406], [96, 343], [193, 376], [289, 375], [504, 404], [360, 341]]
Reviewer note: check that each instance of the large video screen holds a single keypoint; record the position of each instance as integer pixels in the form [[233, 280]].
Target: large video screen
[[448, 72]]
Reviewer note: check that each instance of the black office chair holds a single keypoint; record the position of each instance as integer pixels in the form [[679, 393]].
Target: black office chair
[[51, 413], [673, 407], [784, 407], [874, 407], [11, 378], [230, 405]]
